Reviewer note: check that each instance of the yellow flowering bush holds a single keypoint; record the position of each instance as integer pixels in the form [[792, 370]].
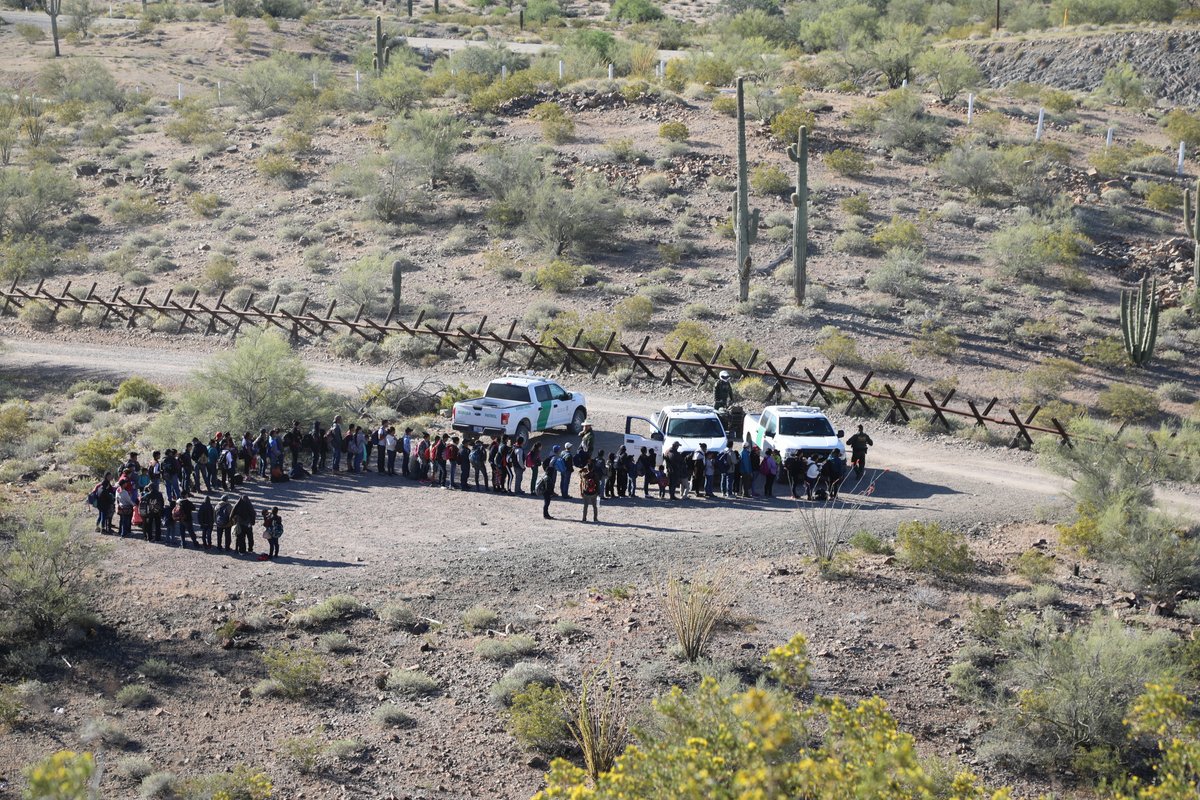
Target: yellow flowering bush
[[789, 663], [63, 776], [1167, 716]]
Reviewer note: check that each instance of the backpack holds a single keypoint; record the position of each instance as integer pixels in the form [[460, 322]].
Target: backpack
[[143, 508], [591, 485], [540, 486], [476, 456], [529, 462], [156, 506], [223, 514], [177, 513], [93, 498], [581, 459]]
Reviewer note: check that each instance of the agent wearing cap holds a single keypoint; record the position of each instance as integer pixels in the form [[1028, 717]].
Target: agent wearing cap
[[553, 462], [587, 440], [723, 391]]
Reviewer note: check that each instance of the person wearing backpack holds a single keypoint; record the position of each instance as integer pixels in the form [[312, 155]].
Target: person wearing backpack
[[645, 468], [610, 477], [170, 474], [479, 464], [151, 511], [103, 498], [769, 468], [335, 442], [438, 457], [589, 490], [406, 443], [621, 472], [224, 523], [533, 460], [126, 502], [273, 528], [517, 462], [205, 515], [244, 517], [464, 464], [182, 515], [833, 473], [390, 443]]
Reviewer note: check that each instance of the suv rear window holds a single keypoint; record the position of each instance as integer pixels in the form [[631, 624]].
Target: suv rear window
[[805, 426], [507, 391]]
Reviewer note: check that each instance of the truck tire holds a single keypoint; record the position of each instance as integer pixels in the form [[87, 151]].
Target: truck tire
[[577, 421], [523, 430]]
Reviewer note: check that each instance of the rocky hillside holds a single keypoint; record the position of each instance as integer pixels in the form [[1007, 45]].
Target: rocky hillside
[[1167, 58]]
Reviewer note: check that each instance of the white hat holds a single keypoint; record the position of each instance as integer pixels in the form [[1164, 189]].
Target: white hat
[[724, 375]]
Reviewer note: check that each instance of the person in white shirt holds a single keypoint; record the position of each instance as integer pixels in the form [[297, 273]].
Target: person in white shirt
[[389, 442]]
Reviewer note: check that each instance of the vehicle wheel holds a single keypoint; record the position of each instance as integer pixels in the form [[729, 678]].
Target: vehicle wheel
[[523, 430], [578, 420]]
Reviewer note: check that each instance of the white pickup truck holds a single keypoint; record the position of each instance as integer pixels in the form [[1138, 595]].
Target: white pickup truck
[[804, 429], [517, 405], [689, 425]]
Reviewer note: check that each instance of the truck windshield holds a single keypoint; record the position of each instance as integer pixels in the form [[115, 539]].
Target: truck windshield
[[507, 391], [703, 428], [805, 426]]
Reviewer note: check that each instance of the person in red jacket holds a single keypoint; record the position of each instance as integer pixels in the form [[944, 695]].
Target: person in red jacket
[[450, 456]]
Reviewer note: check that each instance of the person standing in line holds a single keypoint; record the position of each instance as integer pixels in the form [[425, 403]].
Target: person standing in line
[[450, 454], [833, 473], [336, 442], [406, 443], [316, 438], [674, 463], [244, 516], [646, 464], [811, 475], [589, 490], [567, 457], [479, 464], [770, 469], [533, 459], [610, 477], [381, 436], [711, 476], [464, 464], [859, 443], [274, 532], [518, 459], [390, 444], [422, 457], [551, 468], [793, 467], [206, 515], [224, 523], [621, 472], [184, 509], [126, 502], [151, 509]]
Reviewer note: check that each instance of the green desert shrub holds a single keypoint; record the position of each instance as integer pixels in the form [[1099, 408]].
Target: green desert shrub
[[412, 683], [538, 718], [930, 548], [506, 649], [295, 673]]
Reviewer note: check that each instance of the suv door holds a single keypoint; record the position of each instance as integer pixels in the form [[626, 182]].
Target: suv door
[[641, 432], [541, 395], [770, 427], [561, 408]]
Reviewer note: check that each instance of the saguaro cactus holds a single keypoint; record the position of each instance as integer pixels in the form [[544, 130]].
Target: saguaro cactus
[[1191, 225], [1139, 322], [745, 221], [798, 153], [397, 283], [383, 52]]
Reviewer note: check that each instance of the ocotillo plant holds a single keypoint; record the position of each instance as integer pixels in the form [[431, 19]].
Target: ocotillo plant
[[745, 221], [1191, 225], [383, 52], [799, 154], [1139, 322]]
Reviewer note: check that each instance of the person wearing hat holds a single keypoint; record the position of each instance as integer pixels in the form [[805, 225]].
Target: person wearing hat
[[587, 440], [565, 471], [723, 391], [244, 515]]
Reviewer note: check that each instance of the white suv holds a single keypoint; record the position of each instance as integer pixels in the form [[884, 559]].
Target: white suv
[[804, 429], [689, 425], [517, 405]]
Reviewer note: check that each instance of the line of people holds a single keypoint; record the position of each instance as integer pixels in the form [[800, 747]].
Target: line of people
[[158, 497]]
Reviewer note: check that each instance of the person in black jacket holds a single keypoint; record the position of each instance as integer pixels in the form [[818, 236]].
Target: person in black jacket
[[244, 517], [833, 473], [206, 515], [183, 515]]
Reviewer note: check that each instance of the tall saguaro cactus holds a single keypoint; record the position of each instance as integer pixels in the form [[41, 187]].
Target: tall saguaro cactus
[[383, 52], [798, 153], [53, 8], [397, 283], [1139, 322], [1191, 224], [745, 221]]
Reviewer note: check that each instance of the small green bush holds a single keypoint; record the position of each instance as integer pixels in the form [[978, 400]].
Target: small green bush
[[134, 696], [219, 275], [558, 127], [785, 126], [1127, 403], [768, 179], [1183, 127], [897, 233], [508, 649], [559, 276], [399, 616], [331, 609], [870, 543], [411, 683], [101, 452], [296, 672], [518, 678], [928, 547], [850, 163], [634, 313], [839, 348], [538, 719], [902, 274], [281, 169], [390, 715], [673, 131], [477, 619], [856, 205], [1034, 566], [140, 388]]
